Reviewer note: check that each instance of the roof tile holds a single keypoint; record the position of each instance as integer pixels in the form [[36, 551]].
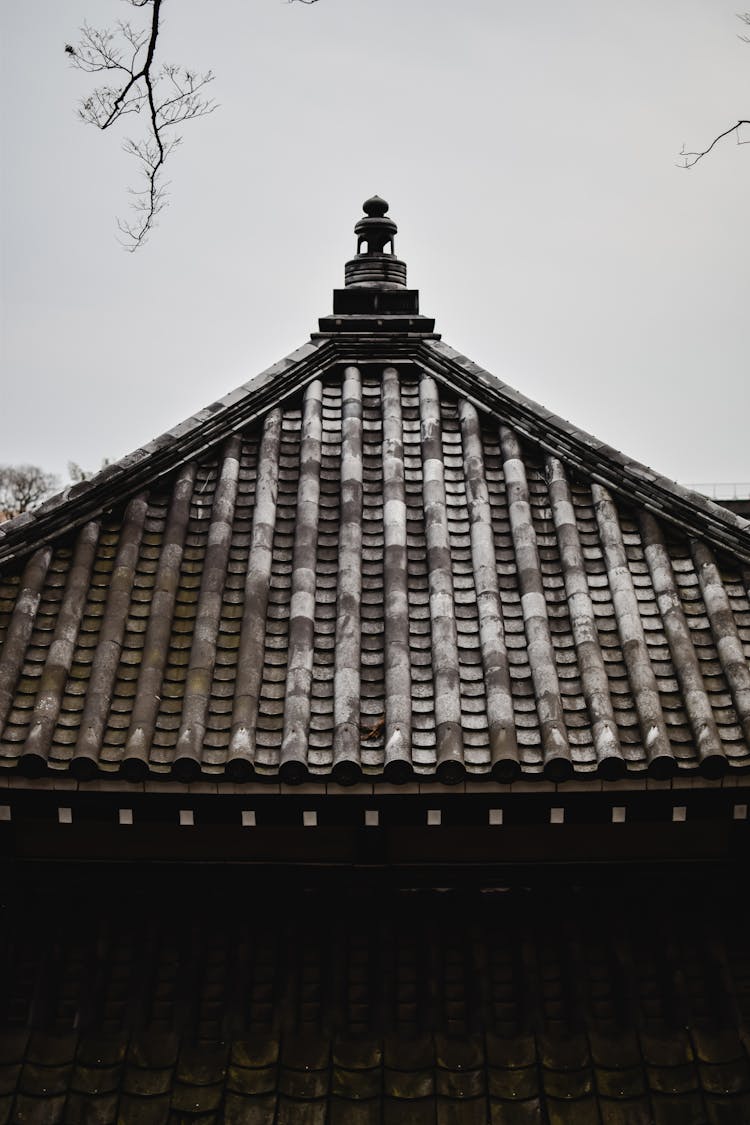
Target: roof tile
[[460, 581]]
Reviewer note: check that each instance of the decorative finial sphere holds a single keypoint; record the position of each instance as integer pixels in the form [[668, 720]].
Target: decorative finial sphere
[[375, 207]]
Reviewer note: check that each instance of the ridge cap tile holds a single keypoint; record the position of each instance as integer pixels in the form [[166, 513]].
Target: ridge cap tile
[[713, 1045], [568, 1085], [153, 1049], [305, 1051], [101, 1050], [459, 1052], [303, 1085], [86, 1109], [146, 1082], [357, 1053], [251, 1081], [39, 1111], [516, 1052], [725, 1078], [667, 1048], [461, 1084], [408, 1052], [44, 1081], [615, 1049], [408, 1085], [514, 1085], [356, 1085], [621, 1083], [95, 1080], [194, 1100], [202, 1065], [13, 1045], [564, 1052], [9, 1074], [133, 1110], [50, 1049], [682, 1079]]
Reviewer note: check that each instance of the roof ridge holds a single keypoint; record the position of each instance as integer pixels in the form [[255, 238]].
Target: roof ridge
[[123, 478], [602, 463], [627, 478]]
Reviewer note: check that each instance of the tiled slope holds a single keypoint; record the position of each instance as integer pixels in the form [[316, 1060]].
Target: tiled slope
[[374, 579], [150, 1080], [430, 1008]]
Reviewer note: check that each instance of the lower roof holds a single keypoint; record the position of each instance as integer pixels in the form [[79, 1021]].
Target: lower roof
[[568, 1007]]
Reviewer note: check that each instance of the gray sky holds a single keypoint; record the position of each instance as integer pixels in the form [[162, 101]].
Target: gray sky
[[528, 152]]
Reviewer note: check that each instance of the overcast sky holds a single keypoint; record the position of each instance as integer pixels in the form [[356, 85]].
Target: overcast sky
[[529, 155]]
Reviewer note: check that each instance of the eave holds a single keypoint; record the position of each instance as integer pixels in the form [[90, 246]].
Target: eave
[[496, 832]]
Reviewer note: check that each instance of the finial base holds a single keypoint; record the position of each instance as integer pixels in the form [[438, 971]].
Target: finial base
[[376, 310], [383, 271], [375, 300]]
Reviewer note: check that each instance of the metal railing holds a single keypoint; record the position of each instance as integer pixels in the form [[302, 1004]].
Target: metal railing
[[723, 490]]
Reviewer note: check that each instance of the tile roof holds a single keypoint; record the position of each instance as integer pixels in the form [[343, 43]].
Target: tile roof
[[271, 1080], [375, 560], [431, 1008]]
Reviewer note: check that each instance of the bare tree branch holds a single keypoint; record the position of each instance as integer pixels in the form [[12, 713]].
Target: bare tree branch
[[689, 159], [168, 96]]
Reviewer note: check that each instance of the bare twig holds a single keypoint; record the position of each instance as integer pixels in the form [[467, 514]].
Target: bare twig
[[690, 159], [168, 96]]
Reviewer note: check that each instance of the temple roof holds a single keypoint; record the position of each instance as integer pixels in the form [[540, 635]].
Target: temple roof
[[376, 560]]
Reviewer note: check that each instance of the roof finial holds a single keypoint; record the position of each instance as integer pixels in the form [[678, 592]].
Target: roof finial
[[375, 206], [376, 263]]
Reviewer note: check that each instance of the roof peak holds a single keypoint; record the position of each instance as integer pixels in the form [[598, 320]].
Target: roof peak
[[375, 299]]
